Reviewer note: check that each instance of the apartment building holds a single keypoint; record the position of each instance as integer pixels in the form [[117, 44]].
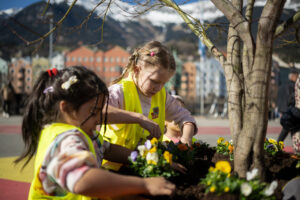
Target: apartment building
[[108, 65], [188, 82], [20, 75]]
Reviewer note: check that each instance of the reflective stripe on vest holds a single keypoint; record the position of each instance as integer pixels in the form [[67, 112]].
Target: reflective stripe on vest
[[48, 135]]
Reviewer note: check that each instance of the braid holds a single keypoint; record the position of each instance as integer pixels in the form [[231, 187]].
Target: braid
[[132, 62]]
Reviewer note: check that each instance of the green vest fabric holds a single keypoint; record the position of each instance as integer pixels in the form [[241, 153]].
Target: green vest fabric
[[47, 136]]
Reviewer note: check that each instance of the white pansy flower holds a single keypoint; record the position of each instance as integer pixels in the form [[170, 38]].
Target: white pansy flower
[[270, 190], [66, 85], [246, 189], [251, 175], [141, 149], [152, 156]]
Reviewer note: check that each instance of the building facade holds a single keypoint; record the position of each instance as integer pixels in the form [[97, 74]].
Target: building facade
[[20, 75], [3, 72], [58, 61], [188, 82], [108, 65]]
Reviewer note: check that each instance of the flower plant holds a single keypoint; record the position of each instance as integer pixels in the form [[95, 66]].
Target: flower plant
[[273, 147], [224, 147], [297, 157], [152, 159], [219, 180], [184, 154]]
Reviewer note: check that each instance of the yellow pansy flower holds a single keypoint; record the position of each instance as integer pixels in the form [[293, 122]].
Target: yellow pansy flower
[[168, 157], [223, 166], [272, 141], [212, 189], [211, 169], [220, 140], [226, 189], [226, 143], [153, 150], [151, 162], [154, 141], [281, 144]]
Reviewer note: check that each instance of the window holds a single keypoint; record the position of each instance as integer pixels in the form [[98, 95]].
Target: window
[[105, 59], [104, 69], [79, 59], [85, 59], [124, 60], [112, 59], [98, 59], [91, 59], [28, 71], [73, 59], [117, 59]]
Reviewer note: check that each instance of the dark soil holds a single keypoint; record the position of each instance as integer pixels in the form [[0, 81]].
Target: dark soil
[[281, 167]]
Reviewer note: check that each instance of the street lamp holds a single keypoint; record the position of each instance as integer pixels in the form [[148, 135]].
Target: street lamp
[[50, 17]]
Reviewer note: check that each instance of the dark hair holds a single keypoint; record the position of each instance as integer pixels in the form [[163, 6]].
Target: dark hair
[[43, 107], [151, 54]]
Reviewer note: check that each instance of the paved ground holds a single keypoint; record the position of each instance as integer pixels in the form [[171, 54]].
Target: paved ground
[[14, 183]]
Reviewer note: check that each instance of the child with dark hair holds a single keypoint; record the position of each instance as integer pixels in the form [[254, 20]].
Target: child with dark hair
[[59, 127]]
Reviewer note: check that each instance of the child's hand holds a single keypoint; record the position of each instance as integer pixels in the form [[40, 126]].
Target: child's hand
[[159, 186], [187, 141], [179, 167], [151, 126]]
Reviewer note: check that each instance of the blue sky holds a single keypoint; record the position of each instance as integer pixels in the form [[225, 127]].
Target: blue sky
[[5, 4]]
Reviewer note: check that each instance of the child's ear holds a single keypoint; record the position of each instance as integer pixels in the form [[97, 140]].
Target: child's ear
[[63, 106]]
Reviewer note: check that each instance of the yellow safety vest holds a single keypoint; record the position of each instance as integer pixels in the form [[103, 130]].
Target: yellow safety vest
[[48, 134], [130, 135]]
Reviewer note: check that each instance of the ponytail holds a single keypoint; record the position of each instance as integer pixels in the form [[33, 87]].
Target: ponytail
[[32, 119]]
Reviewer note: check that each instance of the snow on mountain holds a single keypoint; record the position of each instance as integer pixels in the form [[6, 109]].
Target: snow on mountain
[[122, 11], [202, 9], [10, 12]]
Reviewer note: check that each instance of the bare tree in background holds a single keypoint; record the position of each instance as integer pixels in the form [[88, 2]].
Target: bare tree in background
[[247, 69]]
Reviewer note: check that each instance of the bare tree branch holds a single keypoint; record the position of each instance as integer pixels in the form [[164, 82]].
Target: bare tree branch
[[287, 24], [198, 30], [46, 8], [238, 22], [42, 38]]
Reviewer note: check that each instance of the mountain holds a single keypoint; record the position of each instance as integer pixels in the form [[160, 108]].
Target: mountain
[[119, 28]]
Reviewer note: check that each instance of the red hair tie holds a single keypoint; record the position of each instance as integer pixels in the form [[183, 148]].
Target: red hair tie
[[49, 72], [53, 71]]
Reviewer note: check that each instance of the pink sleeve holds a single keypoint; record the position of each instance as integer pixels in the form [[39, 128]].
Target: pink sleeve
[[178, 114], [116, 96], [68, 158]]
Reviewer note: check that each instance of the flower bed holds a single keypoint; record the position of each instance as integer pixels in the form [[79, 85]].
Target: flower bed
[[279, 166]]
